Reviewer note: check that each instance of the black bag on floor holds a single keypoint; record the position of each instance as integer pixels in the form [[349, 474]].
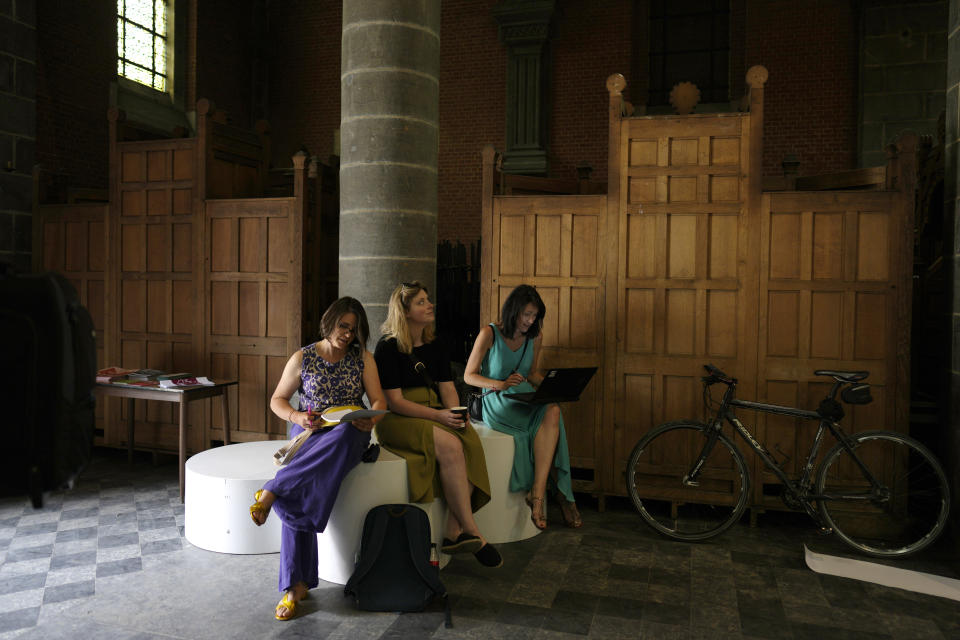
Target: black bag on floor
[[48, 366], [394, 571]]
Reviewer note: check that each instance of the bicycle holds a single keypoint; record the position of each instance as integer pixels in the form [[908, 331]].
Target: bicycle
[[881, 492]]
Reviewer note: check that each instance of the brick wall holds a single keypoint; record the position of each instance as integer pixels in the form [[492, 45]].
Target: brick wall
[[76, 61], [809, 46], [304, 77], [810, 102], [227, 45], [582, 62], [18, 129], [473, 85]]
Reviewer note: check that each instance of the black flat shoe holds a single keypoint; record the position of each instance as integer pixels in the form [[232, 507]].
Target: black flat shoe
[[465, 543], [488, 556]]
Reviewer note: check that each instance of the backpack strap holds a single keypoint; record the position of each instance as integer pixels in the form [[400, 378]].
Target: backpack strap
[[430, 577], [432, 580], [377, 532]]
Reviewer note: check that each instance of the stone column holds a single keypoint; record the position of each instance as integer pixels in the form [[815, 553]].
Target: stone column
[[18, 130], [389, 118]]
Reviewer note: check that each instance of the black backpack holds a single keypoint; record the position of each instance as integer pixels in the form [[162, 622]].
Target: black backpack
[[47, 372], [394, 571]]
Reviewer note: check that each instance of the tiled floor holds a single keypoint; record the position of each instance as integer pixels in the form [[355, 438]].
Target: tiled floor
[[108, 560]]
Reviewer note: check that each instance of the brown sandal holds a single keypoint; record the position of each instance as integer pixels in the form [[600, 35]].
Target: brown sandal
[[536, 511], [570, 513]]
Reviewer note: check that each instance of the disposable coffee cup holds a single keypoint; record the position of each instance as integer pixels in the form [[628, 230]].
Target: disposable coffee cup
[[461, 411]]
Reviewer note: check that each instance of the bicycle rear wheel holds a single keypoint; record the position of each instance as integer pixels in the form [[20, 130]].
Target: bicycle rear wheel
[[904, 514], [656, 470]]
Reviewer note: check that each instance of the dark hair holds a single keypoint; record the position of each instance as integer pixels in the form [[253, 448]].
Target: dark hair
[[340, 308], [514, 305]]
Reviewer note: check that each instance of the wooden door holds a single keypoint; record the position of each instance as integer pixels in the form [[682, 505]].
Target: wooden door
[[835, 294], [153, 281], [253, 299], [558, 244], [686, 273]]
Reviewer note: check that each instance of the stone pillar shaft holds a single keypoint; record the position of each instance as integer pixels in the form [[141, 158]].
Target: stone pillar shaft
[[389, 123]]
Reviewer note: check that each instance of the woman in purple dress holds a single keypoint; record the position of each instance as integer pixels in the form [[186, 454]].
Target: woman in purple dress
[[337, 370]]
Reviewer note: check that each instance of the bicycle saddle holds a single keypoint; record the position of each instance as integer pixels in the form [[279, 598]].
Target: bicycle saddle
[[843, 376]]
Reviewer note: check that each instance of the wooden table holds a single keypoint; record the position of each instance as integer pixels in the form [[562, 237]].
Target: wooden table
[[180, 395]]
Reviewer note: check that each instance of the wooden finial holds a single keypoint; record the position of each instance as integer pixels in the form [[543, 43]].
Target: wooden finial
[[616, 83], [757, 76]]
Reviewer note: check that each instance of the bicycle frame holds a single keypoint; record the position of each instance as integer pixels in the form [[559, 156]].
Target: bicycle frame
[[800, 489]]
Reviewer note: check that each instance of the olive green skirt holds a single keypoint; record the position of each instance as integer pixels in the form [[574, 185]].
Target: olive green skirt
[[412, 440]]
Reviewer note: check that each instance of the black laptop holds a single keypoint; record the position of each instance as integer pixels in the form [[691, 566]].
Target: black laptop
[[559, 385]]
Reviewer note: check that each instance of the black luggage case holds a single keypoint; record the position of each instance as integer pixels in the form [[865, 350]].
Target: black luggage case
[[47, 373]]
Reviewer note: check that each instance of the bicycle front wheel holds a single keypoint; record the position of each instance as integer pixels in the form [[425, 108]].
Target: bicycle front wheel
[[657, 481], [903, 513]]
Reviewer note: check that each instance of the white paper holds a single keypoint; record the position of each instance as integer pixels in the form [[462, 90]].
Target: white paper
[[346, 415], [888, 576]]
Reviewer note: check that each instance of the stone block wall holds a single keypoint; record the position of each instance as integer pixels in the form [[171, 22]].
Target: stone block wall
[[18, 128], [903, 58]]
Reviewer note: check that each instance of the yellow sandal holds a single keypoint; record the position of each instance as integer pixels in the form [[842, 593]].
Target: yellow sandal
[[291, 606], [258, 508]]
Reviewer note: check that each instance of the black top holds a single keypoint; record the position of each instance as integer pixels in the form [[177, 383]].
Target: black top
[[396, 369]]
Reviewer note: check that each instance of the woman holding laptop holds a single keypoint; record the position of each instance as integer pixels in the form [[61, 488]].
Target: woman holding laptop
[[505, 359]]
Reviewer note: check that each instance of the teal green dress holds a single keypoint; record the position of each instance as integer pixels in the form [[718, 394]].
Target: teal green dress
[[520, 419]]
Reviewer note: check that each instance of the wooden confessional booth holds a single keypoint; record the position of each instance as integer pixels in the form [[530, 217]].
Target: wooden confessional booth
[[201, 260], [686, 259]]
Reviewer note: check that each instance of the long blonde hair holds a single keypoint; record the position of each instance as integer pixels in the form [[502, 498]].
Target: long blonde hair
[[395, 326]]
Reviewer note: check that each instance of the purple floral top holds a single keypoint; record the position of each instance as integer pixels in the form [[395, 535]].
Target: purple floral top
[[324, 384]]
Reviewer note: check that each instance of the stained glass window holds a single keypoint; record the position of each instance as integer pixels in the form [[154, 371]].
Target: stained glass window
[[142, 42]]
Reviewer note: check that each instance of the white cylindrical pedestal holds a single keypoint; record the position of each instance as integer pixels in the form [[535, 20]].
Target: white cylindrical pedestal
[[506, 518], [220, 484]]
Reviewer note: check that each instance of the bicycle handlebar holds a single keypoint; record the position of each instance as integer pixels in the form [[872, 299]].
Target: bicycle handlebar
[[716, 375]]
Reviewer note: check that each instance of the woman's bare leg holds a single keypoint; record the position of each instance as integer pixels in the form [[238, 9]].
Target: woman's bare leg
[[456, 488], [544, 450]]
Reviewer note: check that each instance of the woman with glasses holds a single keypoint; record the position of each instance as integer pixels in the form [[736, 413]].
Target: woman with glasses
[[442, 450], [337, 370], [506, 360]]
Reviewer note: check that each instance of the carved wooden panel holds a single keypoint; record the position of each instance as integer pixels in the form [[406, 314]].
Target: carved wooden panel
[[154, 282], [684, 295], [71, 240], [830, 288], [253, 299]]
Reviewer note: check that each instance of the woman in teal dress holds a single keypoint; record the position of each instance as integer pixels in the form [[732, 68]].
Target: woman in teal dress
[[505, 359]]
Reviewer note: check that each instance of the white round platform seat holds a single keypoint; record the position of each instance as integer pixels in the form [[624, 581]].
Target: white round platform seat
[[506, 518], [220, 484], [366, 486]]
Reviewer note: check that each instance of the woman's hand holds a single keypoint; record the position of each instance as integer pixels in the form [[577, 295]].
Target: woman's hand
[[450, 419], [309, 420], [363, 424], [512, 380]]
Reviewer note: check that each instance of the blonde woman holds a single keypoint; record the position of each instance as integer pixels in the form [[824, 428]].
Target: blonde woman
[[442, 450]]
